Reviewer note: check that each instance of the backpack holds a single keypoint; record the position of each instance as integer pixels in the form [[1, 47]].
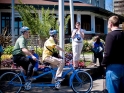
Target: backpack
[[98, 48]]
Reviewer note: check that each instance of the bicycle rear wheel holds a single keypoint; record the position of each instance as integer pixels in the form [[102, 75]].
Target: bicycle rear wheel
[[10, 82], [82, 82]]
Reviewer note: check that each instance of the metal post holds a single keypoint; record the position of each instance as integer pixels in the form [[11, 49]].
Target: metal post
[[61, 26], [12, 25], [72, 14]]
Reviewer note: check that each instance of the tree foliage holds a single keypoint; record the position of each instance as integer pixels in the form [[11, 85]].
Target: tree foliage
[[40, 26]]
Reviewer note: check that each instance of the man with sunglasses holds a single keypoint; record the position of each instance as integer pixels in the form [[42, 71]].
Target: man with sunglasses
[[20, 51]]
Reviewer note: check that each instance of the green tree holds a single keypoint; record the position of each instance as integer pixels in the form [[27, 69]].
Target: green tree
[[30, 18]]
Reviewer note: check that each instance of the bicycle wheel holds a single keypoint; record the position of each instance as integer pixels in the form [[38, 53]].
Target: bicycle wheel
[[10, 82], [82, 82]]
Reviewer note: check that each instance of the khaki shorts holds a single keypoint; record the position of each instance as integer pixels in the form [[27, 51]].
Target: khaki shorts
[[77, 48], [56, 62]]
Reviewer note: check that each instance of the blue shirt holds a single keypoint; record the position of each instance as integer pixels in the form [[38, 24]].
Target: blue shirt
[[36, 64], [1, 49]]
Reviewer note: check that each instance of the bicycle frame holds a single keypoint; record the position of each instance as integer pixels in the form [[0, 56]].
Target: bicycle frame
[[53, 72]]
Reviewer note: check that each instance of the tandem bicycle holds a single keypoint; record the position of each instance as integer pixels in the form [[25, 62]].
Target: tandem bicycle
[[79, 80]]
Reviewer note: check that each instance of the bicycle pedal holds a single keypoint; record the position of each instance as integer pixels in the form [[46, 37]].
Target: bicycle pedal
[[27, 85], [57, 85]]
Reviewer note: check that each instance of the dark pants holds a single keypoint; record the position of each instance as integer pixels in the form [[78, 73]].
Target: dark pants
[[99, 56], [26, 63]]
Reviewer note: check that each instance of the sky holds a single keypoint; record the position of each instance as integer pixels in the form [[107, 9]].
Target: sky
[[109, 5]]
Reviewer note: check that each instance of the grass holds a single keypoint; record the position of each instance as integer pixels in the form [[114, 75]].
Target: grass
[[87, 63]]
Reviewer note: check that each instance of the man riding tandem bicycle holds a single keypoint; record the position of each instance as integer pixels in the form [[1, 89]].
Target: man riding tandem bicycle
[[79, 81]]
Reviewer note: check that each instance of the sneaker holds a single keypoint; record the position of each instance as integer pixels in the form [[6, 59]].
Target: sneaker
[[59, 79], [95, 65]]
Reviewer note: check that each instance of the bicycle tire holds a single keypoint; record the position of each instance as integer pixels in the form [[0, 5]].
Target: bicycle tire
[[10, 82], [82, 82]]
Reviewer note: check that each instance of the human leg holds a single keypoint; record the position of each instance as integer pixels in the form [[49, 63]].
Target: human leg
[[30, 66], [19, 60], [80, 46], [122, 80], [94, 59], [77, 48], [113, 75], [100, 59], [75, 55], [58, 62], [122, 85], [26, 63]]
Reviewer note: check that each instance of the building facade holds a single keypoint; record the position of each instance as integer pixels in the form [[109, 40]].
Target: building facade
[[97, 3], [93, 18], [119, 7]]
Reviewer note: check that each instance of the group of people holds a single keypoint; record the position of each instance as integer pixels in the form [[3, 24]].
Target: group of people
[[113, 53]]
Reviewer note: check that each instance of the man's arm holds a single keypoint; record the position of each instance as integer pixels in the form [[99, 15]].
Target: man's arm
[[26, 52], [59, 48]]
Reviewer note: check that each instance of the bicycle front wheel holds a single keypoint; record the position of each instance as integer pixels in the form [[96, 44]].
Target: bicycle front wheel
[[10, 82], [82, 82]]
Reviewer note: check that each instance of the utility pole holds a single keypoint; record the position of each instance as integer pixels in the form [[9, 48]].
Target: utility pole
[[61, 26], [72, 14], [13, 19]]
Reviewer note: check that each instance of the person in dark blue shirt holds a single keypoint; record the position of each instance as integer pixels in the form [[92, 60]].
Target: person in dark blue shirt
[[36, 55], [98, 50]]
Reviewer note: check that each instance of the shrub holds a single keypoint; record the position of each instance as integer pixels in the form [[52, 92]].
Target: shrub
[[7, 63], [86, 46], [6, 60], [5, 37], [68, 47], [4, 57], [39, 51], [8, 50]]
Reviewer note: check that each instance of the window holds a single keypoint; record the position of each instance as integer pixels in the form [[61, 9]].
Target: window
[[68, 27], [97, 3], [18, 25], [5, 22], [99, 25], [86, 22]]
